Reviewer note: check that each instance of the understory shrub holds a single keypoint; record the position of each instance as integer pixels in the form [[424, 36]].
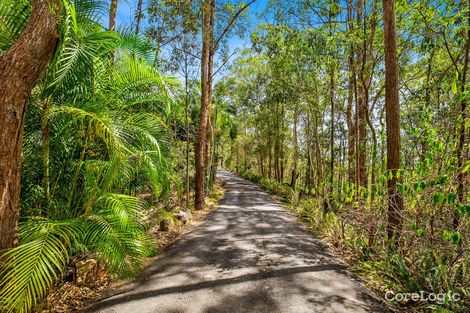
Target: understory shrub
[[427, 260]]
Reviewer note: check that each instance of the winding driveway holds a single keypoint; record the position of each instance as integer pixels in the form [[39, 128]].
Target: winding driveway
[[250, 255]]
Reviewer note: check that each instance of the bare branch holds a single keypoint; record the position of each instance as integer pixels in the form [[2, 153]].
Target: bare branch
[[227, 28]]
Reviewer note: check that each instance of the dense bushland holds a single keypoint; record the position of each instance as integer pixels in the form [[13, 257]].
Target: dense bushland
[[424, 263], [312, 126], [98, 139], [95, 136]]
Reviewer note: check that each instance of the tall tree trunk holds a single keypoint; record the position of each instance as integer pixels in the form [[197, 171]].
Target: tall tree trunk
[[332, 116], [366, 80], [362, 108], [427, 101], [362, 133], [112, 14], [349, 112], [245, 165], [139, 16], [281, 143], [318, 157], [374, 155], [460, 154], [277, 173], [204, 132], [392, 110], [356, 134], [20, 69], [308, 174], [210, 66], [213, 152], [237, 162], [296, 148], [200, 143], [332, 133], [186, 117], [261, 155], [270, 173]]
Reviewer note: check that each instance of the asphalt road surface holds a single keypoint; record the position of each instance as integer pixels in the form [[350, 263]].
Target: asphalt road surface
[[250, 255]]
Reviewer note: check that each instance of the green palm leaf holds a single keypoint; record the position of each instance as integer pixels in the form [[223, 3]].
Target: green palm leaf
[[30, 269], [14, 15]]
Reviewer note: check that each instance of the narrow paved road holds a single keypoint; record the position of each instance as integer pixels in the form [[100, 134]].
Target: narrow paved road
[[248, 256]]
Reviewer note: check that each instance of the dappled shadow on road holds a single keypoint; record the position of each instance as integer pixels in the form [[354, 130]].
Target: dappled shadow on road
[[240, 234], [219, 282], [249, 301], [248, 256]]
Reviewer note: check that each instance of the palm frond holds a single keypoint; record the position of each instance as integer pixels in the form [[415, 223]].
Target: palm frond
[[74, 62], [138, 45], [30, 269], [14, 15]]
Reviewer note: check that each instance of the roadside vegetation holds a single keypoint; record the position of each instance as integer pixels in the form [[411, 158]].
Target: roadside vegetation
[[353, 112], [422, 267], [375, 162]]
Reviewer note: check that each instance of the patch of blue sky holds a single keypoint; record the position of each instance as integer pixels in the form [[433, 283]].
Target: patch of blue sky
[[126, 18]]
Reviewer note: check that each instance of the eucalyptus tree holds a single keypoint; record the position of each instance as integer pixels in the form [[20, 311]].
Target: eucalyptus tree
[[214, 31], [31, 34], [415, 137], [284, 51], [112, 14], [174, 26], [215, 22], [243, 89], [395, 200], [453, 29], [184, 60], [169, 21]]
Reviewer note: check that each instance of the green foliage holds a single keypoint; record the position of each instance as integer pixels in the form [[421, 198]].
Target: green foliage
[[14, 15], [424, 267], [95, 136], [453, 236], [31, 268], [307, 60]]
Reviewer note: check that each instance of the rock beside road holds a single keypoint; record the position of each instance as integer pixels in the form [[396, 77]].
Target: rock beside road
[[165, 224], [183, 216], [249, 255]]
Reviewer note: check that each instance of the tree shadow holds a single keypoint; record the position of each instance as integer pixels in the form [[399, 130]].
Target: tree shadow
[[133, 296], [250, 241]]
